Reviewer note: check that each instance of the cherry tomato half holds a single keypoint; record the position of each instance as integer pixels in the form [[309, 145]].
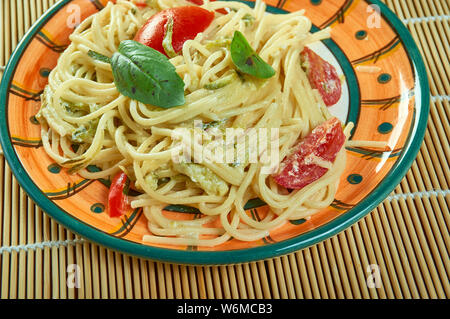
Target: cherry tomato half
[[299, 169], [322, 76], [198, 2], [187, 23], [118, 203], [141, 4]]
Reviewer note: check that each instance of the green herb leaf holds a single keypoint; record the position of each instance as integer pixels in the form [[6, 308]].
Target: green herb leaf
[[146, 75], [247, 60], [85, 132], [222, 82], [75, 109], [220, 42], [248, 19], [167, 41], [98, 56]]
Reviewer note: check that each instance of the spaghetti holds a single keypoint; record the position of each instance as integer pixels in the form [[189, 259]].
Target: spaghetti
[[82, 107]]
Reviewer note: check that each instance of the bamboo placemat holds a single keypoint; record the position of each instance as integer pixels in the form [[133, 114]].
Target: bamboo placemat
[[407, 236]]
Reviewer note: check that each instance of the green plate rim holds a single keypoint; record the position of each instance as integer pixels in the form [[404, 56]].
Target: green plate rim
[[391, 180]]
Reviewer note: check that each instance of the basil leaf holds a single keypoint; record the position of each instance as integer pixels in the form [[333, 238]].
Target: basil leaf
[[247, 60], [98, 56], [146, 75]]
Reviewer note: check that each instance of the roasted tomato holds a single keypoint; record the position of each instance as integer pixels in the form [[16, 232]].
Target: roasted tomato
[[187, 23], [118, 203], [302, 166], [322, 76]]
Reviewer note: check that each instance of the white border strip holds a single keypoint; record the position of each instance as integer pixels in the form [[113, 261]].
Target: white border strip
[[435, 98], [41, 245], [423, 194], [426, 19]]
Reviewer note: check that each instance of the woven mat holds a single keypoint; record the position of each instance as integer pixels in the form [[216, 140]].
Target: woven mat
[[407, 236]]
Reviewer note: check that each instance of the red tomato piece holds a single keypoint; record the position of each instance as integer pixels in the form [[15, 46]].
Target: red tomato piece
[[198, 2], [118, 203], [299, 169], [141, 4], [187, 23], [322, 76]]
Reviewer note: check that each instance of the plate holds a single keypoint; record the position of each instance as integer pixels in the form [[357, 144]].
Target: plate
[[386, 95]]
